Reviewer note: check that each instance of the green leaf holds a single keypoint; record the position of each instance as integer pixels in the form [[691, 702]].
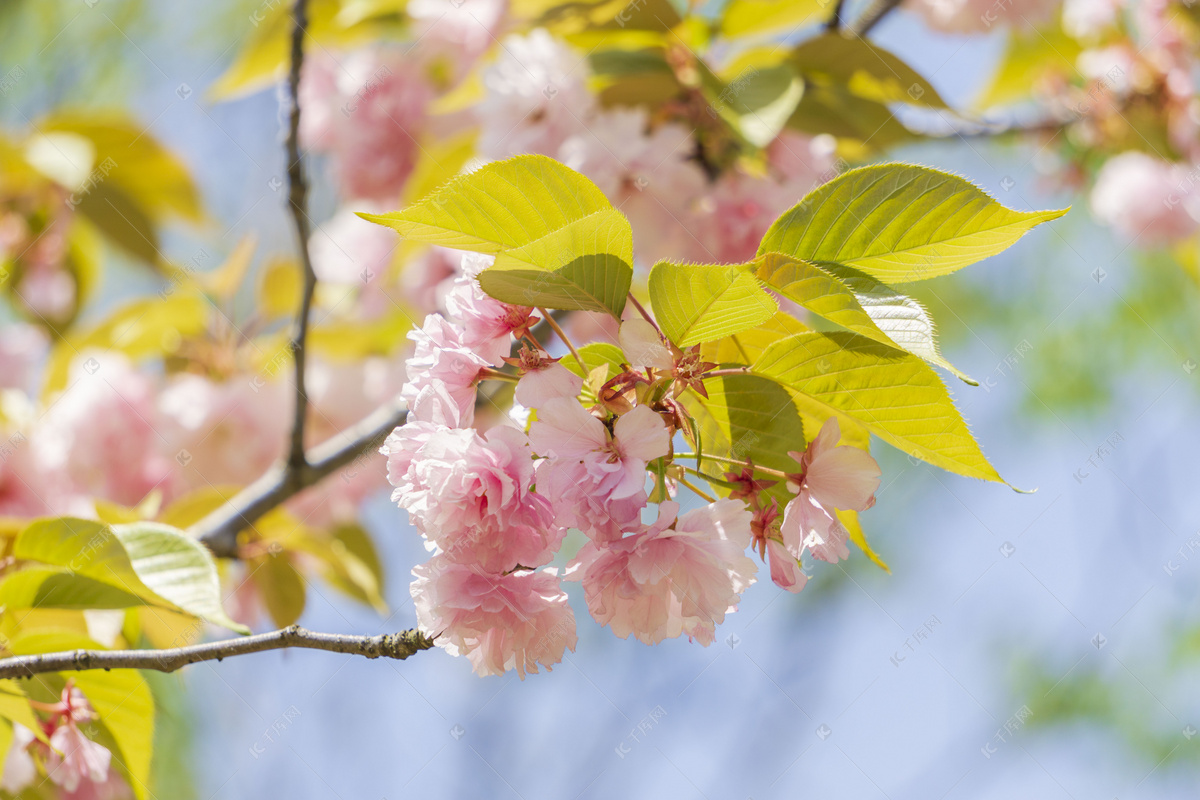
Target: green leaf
[[1028, 57], [594, 355], [158, 563], [281, 587], [757, 17], [500, 206], [854, 529], [899, 223], [697, 303], [14, 707], [896, 396], [747, 417], [759, 102], [586, 265], [857, 302], [49, 587], [121, 698], [865, 70], [122, 221], [836, 111]]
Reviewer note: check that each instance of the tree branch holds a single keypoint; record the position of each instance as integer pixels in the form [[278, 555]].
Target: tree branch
[[873, 16], [834, 22], [220, 529], [392, 645], [298, 203]]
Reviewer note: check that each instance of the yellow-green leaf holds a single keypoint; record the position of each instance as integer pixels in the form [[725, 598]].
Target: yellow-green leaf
[[586, 265], [857, 302], [500, 206], [696, 303], [866, 70], [899, 223], [757, 17], [896, 396], [158, 563]]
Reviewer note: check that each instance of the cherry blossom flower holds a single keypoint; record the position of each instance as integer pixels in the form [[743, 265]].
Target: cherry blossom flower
[[100, 433], [643, 345], [75, 763], [834, 477], [441, 355], [544, 379], [1143, 196], [978, 16], [616, 463], [679, 576], [472, 497], [646, 173], [230, 431], [487, 324], [785, 568], [19, 768], [369, 109], [518, 620], [577, 504], [22, 348], [537, 96], [456, 33]]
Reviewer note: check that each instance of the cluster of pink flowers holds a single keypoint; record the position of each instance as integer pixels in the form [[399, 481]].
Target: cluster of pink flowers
[[78, 766], [495, 506]]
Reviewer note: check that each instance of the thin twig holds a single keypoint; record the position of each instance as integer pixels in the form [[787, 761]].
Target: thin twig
[[220, 529], [392, 645], [554, 326], [737, 463], [642, 310], [696, 490], [298, 202], [873, 16]]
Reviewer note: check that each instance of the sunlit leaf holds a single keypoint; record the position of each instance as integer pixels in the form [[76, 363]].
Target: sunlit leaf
[[696, 303], [865, 69], [896, 396], [899, 223], [155, 562]]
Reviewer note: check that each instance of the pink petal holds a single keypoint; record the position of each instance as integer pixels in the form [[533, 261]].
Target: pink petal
[[642, 434], [844, 477], [564, 429], [536, 388], [643, 346]]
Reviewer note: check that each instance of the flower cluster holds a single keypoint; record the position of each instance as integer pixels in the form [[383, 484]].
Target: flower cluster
[[495, 506], [77, 765]]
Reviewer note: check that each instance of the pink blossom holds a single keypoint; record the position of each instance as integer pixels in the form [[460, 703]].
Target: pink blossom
[[643, 345], [441, 355], [370, 107], [349, 251], [537, 96], [578, 504], [19, 768], [22, 348], [834, 477], [48, 291], [75, 762], [473, 497], [101, 431], [487, 324], [518, 620], [456, 33], [1141, 195], [675, 577], [785, 568], [228, 432], [545, 379], [978, 16], [616, 463], [647, 173], [342, 393]]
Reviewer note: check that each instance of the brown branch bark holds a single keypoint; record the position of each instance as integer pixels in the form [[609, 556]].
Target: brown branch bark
[[392, 645]]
